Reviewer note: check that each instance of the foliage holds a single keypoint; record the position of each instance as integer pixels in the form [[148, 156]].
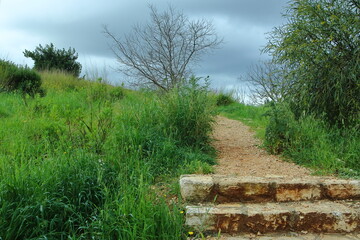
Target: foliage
[[83, 163], [21, 79], [320, 48], [312, 142], [279, 131], [224, 99], [50, 58], [159, 54]]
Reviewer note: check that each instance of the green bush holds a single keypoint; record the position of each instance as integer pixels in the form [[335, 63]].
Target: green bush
[[21, 79], [280, 128], [50, 58], [116, 93], [319, 49], [224, 99], [7, 70]]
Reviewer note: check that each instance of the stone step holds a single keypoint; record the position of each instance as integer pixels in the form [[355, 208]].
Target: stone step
[[226, 189], [312, 217]]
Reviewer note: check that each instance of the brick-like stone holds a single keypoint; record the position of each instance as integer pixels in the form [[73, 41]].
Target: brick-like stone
[[322, 216], [245, 189], [196, 188], [341, 189], [298, 190]]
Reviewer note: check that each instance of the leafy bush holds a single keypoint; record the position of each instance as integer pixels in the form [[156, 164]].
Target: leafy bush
[[50, 58], [22, 79], [319, 48], [280, 128], [224, 99], [116, 93]]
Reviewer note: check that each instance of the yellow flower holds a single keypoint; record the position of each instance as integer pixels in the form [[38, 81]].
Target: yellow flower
[[191, 233], [181, 212]]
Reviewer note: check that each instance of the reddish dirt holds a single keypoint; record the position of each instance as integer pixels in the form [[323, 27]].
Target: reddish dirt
[[239, 153]]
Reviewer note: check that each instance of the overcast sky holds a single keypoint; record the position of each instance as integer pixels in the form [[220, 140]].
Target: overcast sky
[[24, 24]]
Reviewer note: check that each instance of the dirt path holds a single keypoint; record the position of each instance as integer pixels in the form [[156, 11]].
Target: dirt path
[[239, 153]]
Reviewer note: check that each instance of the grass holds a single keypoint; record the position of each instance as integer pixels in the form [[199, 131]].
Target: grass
[[93, 161]]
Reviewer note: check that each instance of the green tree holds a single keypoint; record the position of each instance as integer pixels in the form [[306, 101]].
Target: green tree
[[320, 47], [50, 58]]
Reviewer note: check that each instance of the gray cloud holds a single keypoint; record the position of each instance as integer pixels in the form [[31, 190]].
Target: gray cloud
[[78, 24]]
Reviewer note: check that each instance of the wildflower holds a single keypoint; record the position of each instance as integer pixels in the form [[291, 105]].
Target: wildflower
[[191, 233], [182, 212]]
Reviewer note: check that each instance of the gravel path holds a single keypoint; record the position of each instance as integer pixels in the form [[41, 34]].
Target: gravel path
[[239, 153]]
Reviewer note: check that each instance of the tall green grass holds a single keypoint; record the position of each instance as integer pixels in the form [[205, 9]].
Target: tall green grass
[[92, 161], [312, 142]]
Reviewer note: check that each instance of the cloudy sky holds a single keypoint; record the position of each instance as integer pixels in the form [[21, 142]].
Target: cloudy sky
[[25, 24]]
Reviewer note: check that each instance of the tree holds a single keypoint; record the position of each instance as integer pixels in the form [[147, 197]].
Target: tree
[[50, 58], [268, 82], [161, 52], [320, 48]]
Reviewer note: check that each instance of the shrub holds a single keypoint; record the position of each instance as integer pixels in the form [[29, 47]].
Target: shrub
[[224, 99], [116, 93], [50, 58], [22, 79], [318, 49], [7, 69], [279, 130]]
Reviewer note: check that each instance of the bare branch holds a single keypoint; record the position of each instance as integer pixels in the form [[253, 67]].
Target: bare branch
[[269, 82], [161, 52]]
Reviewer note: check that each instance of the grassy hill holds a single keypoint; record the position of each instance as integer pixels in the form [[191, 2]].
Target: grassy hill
[[94, 161]]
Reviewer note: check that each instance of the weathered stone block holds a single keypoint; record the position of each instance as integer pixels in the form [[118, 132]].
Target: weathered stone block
[[196, 188], [298, 190], [321, 216], [341, 189]]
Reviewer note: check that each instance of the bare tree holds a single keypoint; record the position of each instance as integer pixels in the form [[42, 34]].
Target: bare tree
[[161, 52], [268, 82]]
